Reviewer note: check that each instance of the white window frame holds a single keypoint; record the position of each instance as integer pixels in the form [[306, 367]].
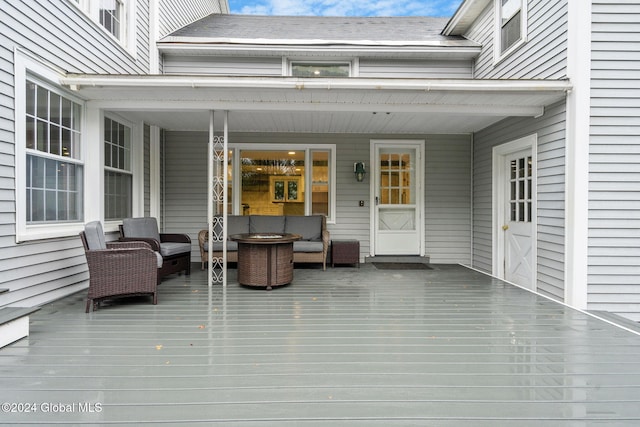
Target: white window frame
[[123, 171], [353, 64], [27, 67], [497, 42], [308, 148], [126, 38], [136, 166]]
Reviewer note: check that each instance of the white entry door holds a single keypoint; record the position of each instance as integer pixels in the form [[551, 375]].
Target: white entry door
[[397, 200], [519, 218]]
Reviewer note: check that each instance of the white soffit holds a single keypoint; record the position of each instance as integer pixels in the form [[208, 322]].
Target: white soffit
[[466, 14]]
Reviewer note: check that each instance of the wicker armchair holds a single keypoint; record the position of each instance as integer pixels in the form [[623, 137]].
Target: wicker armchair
[[118, 269]]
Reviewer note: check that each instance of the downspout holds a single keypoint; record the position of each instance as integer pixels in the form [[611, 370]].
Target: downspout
[[471, 163]]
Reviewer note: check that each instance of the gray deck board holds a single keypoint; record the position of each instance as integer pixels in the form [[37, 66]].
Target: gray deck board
[[346, 346]]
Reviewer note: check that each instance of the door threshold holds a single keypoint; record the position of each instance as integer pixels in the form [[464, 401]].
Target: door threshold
[[398, 259]]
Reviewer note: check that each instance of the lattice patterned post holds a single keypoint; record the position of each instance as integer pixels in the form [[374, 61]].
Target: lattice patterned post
[[218, 167]]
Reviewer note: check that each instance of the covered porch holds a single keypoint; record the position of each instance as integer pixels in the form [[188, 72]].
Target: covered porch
[[346, 346], [342, 116]]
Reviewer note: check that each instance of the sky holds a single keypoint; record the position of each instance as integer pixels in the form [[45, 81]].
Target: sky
[[439, 8]]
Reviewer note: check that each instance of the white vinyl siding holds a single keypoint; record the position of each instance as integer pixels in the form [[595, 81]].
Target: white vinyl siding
[[272, 66], [175, 14], [448, 199], [543, 56], [447, 219], [61, 34], [225, 66], [550, 131], [54, 29], [614, 182], [406, 68]]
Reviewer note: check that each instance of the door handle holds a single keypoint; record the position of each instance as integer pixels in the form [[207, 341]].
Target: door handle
[[376, 200], [505, 227]]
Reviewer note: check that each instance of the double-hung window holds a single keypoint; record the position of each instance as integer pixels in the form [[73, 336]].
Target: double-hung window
[[511, 16], [53, 168], [112, 15], [118, 174]]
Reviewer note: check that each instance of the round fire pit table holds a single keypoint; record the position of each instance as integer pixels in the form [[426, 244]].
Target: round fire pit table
[[265, 259]]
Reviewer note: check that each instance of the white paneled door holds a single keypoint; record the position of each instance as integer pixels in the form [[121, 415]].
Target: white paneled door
[[397, 203], [518, 215]]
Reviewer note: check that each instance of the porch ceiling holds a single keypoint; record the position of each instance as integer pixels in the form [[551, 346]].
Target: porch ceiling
[[318, 105]]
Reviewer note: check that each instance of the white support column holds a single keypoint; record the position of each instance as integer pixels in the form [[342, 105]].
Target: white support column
[[137, 159], [94, 165], [218, 159], [577, 154], [225, 196], [210, 208], [154, 172]]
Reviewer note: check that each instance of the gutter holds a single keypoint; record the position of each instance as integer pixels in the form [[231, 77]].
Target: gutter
[[77, 81]]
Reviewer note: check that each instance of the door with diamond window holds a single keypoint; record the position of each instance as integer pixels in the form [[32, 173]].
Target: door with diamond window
[[397, 200]]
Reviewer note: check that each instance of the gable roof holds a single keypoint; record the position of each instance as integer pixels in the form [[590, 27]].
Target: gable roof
[[318, 30]]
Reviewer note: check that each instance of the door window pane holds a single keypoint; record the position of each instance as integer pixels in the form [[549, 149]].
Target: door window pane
[[320, 182], [520, 189], [396, 178]]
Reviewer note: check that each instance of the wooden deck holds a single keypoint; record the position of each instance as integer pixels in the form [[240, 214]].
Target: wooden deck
[[345, 347]]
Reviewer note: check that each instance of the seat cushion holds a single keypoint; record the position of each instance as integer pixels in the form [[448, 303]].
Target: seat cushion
[[158, 259], [307, 246], [266, 224], [95, 236], [174, 248], [146, 227], [309, 227], [237, 224], [232, 246]]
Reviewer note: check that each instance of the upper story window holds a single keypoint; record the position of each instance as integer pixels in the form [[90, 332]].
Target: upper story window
[[320, 69], [511, 18], [112, 15]]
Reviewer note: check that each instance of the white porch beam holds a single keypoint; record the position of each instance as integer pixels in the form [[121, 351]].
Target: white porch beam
[[502, 110], [161, 82]]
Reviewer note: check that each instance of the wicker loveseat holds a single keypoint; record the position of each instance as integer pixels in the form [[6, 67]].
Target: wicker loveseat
[[174, 248], [312, 248]]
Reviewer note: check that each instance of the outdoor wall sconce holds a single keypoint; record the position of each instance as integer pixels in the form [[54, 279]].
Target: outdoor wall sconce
[[359, 170]]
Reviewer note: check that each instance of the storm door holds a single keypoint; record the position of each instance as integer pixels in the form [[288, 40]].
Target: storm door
[[397, 203]]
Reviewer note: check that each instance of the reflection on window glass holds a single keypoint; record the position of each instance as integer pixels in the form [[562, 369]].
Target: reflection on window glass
[[299, 69], [396, 178], [111, 12], [510, 23], [118, 180], [320, 182], [272, 182], [53, 167]]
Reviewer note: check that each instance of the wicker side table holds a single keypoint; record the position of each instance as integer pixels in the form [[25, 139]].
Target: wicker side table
[[345, 252]]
